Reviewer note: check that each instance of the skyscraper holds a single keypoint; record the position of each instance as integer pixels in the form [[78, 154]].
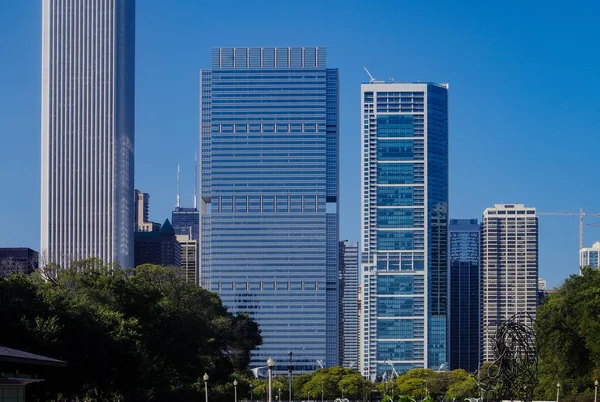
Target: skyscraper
[[349, 304], [509, 268], [464, 294], [87, 130], [590, 256], [269, 197], [404, 226]]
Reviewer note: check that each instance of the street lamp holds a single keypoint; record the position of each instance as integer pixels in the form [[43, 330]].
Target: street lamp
[[205, 378], [279, 393], [557, 390], [235, 383], [270, 365], [595, 391]]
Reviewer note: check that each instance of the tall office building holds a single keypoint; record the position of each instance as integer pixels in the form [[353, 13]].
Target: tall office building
[[88, 56], [269, 194], [348, 281], [590, 256], [404, 246], [509, 268], [464, 334]]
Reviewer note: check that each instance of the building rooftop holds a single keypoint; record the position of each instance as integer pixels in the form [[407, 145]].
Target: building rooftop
[[18, 356]]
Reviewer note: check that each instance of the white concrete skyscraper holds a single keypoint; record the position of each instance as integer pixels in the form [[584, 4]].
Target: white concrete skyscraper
[[87, 161], [509, 268]]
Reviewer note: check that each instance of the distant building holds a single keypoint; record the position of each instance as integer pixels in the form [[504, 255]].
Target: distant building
[[509, 268], [464, 294], [142, 207], [349, 304], [186, 221], [159, 247], [17, 259], [189, 258], [589, 257], [541, 290]]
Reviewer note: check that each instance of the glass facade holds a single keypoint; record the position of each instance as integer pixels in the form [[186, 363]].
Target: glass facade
[[405, 226], [464, 294], [589, 257], [269, 193]]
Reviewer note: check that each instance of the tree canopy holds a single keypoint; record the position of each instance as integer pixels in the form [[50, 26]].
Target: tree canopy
[[130, 336], [567, 330]]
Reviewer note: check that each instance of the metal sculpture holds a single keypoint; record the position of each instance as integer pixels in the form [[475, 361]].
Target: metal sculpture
[[513, 373]]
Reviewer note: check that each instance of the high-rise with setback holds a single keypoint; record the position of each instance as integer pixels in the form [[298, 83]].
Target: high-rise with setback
[[87, 158], [269, 197], [404, 248], [509, 269]]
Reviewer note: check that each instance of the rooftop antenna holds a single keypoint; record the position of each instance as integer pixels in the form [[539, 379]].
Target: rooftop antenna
[[370, 76], [195, 178], [178, 180]]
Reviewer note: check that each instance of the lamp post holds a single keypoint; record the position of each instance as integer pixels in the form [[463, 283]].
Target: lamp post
[[251, 396], [205, 378], [290, 379], [235, 383], [557, 390], [596, 391], [270, 365], [279, 393]]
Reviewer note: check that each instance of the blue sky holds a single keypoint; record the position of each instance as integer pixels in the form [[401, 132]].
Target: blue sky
[[524, 99]]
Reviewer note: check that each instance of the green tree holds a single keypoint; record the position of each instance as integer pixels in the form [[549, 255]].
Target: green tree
[[567, 328], [133, 337]]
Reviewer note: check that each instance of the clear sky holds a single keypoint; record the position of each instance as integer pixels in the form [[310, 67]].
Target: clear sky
[[524, 99]]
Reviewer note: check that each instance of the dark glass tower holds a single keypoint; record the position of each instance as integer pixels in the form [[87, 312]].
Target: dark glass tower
[[269, 194], [464, 294]]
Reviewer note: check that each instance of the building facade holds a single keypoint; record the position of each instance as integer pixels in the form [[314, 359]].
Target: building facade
[[158, 247], [463, 340], [17, 260], [590, 256], [186, 221], [142, 210], [348, 281], [189, 257], [404, 248], [269, 194], [87, 160], [509, 268]]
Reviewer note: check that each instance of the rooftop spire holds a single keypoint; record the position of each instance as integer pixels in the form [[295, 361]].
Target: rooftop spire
[[178, 179]]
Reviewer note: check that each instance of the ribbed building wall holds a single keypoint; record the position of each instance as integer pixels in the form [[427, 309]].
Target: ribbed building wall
[[87, 162]]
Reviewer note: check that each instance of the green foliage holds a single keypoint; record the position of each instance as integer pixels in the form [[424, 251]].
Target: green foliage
[[130, 336], [427, 384], [331, 383], [567, 329]]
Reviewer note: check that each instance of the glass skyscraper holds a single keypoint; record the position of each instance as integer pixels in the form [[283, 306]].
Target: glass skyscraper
[[349, 304], [404, 244], [269, 197], [464, 294], [87, 160]]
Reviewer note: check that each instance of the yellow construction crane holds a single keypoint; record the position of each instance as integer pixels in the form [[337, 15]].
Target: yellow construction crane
[[581, 215]]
